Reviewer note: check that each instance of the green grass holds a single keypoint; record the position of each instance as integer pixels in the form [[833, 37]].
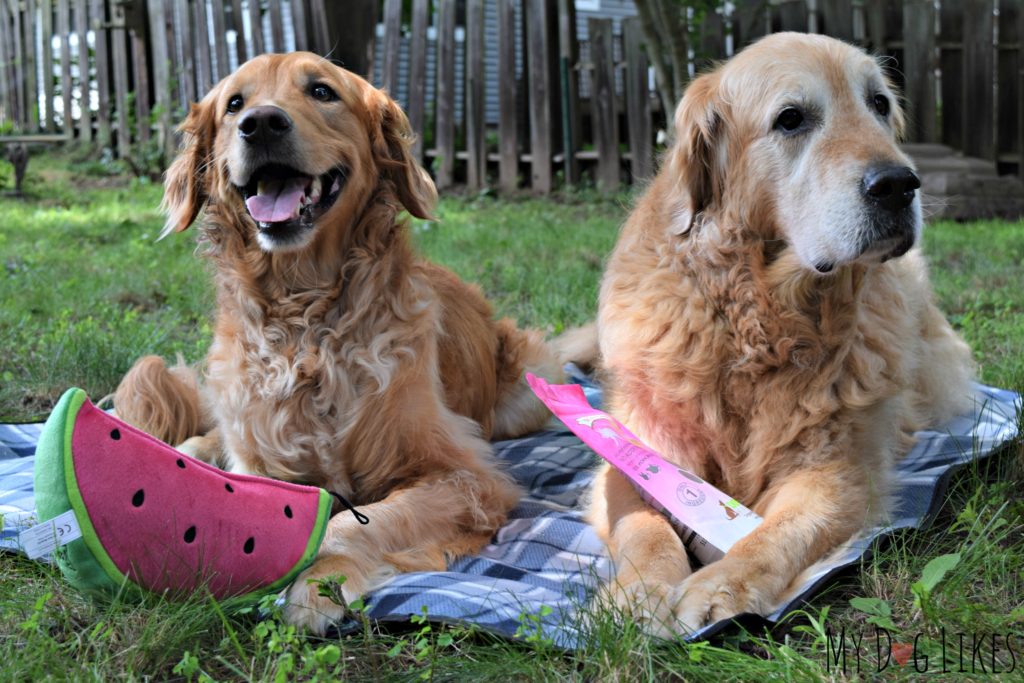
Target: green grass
[[86, 290]]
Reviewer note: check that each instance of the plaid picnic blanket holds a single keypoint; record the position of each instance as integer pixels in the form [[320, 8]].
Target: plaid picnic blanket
[[544, 563]]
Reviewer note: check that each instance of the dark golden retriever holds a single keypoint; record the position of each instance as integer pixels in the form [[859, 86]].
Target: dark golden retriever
[[765, 322], [339, 358]]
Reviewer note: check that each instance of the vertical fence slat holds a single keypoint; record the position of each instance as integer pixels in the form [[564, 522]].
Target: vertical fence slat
[[186, 65], [838, 18], [19, 61], [46, 8], [750, 21], [793, 15], [538, 58], [476, 175], [6, 72], [238, 24], [874, 24], [219, 41], [98, 14], [160, 65], [1008, 115], [276, 25], [602, 102], [638, 102], [919, 69], [140, 62], [119, 53], [508, 133], [418, 73], [323, 34], [977, 93], [82, 55], [444, 159], [204, 72], [569, 55], [951, 61], [31, 86], [392, 42], [299, 21], [1020, 93], [256, 24], [64, 29]]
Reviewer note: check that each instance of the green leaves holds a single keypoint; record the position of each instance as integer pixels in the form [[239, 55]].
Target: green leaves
[[931, 575]]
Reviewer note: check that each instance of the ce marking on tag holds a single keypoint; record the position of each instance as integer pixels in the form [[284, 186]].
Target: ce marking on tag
[[63, 529]]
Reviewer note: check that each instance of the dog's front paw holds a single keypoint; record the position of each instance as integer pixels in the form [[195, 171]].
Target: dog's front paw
[[316, 600], [718, 591], [649, 604]]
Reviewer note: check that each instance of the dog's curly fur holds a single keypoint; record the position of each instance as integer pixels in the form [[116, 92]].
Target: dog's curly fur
[[344, 361], [748, 334]]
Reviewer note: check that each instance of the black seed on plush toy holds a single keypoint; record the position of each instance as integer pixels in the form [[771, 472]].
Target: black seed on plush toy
[[190, 534], [138, 498], [115, 434], [181, 463], [249, 545], [288, 511], [228, 487]]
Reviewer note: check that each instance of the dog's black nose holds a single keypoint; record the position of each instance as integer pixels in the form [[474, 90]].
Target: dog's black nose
[[264, 124], [890, 186]]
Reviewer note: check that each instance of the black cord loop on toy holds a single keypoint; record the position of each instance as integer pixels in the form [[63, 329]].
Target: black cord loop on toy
[[360, 517]]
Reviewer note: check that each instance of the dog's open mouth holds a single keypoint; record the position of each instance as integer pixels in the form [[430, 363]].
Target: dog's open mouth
[[281, 199]]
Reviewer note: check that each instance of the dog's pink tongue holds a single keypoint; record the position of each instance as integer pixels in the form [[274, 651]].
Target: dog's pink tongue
[[278, 200]]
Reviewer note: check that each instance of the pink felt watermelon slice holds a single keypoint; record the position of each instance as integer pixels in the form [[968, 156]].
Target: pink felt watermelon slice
[[155, 519]]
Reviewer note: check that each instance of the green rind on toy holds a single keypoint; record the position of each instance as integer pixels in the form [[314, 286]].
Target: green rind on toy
[[83, 561]]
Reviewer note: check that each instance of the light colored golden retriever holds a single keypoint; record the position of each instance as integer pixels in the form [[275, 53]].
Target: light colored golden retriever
[[765, 322], [339, 358]]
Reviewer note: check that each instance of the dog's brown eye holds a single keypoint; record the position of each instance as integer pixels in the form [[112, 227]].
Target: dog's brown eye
[[323, 93], [235, 104], [790, 119], [881, 103]]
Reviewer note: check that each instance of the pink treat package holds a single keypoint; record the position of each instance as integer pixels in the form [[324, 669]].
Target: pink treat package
[[708, 521]]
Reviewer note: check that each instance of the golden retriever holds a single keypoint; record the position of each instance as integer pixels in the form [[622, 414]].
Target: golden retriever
[[339, 358], [765, 322]]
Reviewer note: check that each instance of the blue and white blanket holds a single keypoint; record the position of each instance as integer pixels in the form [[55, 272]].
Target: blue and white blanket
[[542, 566]]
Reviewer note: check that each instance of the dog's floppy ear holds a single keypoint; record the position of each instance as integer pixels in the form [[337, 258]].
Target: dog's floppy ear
[[392, 147], [693, 159], [187, 182]]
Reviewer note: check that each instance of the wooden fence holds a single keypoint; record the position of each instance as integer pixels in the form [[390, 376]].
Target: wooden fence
[[119, 74]]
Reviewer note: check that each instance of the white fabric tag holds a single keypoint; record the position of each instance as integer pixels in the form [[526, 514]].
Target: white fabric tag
[[44, 538]]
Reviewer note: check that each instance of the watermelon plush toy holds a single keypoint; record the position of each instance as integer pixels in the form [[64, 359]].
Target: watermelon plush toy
[[156, 520]]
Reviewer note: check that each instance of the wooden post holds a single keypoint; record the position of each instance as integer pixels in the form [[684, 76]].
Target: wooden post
[[602, 104], [874, 25], [1020, 94], [750, 22], [569, 53], [476, 172], [978, 79], [540, 95], [140, 62], [1009, 115], [205, 71], [31, 87], [160, 65], [64, 29], [508, 133], [256, 22], [418, 73], [919, 69], [445, 149], [322, 43], [392, 45], [18, 40], [277, 25], [638, 102], [299, 24], [119, 52], [98, 12], [220, 43]]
